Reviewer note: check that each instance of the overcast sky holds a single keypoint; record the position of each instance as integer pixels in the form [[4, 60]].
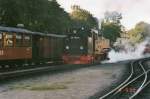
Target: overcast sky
[[133, 11]]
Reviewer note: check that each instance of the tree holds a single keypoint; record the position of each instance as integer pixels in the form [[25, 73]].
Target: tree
[[36, 15], [143, 28], [113, 17], [139, 33], [58, 20], [135, 36], [83, 19], [9, 12], [111, 27]]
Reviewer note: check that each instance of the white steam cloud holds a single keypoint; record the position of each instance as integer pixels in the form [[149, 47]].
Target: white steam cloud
[[128, 54]]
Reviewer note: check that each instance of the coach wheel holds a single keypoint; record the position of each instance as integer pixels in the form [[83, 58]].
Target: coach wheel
[[7, 66], [2, 67], [32, 63], [16, 65]]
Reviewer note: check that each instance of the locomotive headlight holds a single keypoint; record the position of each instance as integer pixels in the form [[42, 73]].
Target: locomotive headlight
[[81, 47], [67, 47]]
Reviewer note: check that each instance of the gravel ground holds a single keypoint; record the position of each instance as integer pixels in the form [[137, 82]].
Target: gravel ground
[[76, 84]]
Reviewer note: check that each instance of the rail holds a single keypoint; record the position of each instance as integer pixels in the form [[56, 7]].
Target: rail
[[131, 81]]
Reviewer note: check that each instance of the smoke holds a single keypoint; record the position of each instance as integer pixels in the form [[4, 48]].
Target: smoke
[[128, 53]]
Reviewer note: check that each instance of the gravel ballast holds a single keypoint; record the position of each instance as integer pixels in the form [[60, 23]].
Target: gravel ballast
[[76, 84]]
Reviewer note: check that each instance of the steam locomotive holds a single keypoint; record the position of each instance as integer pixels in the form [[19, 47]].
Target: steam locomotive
[[85, 49]]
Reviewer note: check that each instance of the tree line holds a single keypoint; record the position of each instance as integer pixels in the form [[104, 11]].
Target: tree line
[[139, 33], [44, 16], [112, 29], [47, 16]]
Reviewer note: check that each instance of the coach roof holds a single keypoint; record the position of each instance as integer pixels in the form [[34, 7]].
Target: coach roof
[[13, 29], [20, 30], [48, 34]]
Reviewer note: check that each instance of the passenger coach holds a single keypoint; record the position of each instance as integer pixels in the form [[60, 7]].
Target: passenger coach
[[19, 46]]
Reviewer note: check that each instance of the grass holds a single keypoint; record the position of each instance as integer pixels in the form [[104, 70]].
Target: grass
[[54, 86], [107, 72], [43, 87]]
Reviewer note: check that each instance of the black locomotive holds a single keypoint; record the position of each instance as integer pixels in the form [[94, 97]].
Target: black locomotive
[[85, 49]]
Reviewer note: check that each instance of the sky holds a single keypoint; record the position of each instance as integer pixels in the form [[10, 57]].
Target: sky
[[133, 11]]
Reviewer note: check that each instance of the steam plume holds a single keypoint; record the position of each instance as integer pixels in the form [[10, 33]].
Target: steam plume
[[128, 54]]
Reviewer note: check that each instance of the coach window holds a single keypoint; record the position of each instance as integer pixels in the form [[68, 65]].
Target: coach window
[[1, 41], [9, 40], [18, 40], [27, 40]]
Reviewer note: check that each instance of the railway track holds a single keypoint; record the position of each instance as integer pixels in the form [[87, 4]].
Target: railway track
[[134, 84], [144, 94], [41, 69]]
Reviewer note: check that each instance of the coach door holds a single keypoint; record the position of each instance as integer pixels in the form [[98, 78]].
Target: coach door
[[35, 47]]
